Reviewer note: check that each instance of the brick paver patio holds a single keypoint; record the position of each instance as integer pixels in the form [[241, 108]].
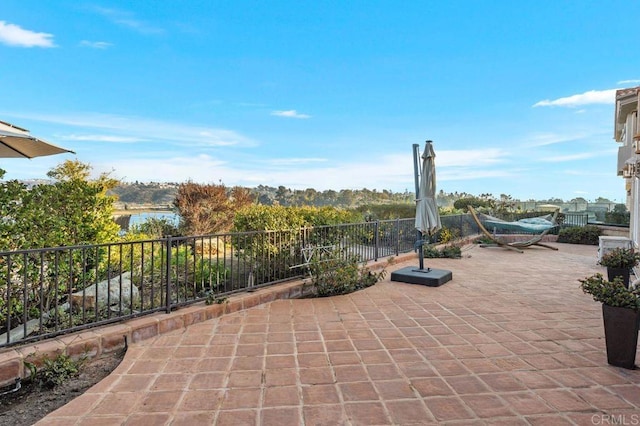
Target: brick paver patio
[[511, 340]]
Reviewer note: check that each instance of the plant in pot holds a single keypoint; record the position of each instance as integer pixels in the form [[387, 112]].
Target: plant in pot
[[619, 262], [621, 315]]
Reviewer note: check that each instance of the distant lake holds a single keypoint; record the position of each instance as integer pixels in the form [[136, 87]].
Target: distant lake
[[138, 218]]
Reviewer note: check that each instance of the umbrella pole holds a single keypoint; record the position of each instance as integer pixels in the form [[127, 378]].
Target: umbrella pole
[[416, 168]]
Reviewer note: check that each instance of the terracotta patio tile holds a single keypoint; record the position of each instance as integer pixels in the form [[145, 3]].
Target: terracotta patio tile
[[321, 415], [448, 408], [394, 389], [451, 340], [366, 413], [603, 400], [77, 407], [244, 379], [350, 373], [487, 405], [250, 350], [282, 396], [305, 347], [247, 363], [383, 371], [358, 391], [480, 365], [367, 344], [320, 394], [193, 418], [534, 379], [437, 353], [189, 352], [146, 367], [237, 418], [161, 401], [432, 386], [314, 376], [563, 400], [606, 375], [280, 348], [208, 381], [375, 357], [526, 403], [416, 369], [241, 398], [449, 367], [312, 360], [631, 393], [141, 418], [338, 345], [133, 383], [205, 364], [171, 382], [281, 377], [406, 355], [201, 400], [280, 361], [511, 363], [344, 358], [502, 382], [466, 385], [411, 412], [569, 378], [280, 416], [116, 404], [548, 420]]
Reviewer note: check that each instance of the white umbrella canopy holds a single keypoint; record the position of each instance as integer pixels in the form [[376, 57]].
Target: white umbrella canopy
[[427, 217], [16, 142]]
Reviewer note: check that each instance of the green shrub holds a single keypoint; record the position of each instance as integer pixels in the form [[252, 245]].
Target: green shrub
[[54, 371], [342, 276], [451, 251], [580, 235]]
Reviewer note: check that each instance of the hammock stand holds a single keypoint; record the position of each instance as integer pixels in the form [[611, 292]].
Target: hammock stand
[[516, 245]]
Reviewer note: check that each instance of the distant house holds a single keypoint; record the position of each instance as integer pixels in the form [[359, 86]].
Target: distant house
[[627, 133]]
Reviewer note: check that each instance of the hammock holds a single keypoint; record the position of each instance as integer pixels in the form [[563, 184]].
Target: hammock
[[536, 224], [532, 225]]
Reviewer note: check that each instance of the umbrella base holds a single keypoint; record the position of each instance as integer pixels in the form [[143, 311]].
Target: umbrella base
[[428, 276]]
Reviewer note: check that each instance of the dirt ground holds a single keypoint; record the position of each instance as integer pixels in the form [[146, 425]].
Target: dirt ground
[[32, 402]]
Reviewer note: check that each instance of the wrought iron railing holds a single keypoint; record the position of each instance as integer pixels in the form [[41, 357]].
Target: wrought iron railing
[[51, 291]]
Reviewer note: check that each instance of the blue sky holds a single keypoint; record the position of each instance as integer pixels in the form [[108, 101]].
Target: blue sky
[[518, 97]]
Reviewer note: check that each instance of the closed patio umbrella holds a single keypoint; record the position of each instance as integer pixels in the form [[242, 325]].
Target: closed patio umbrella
[[16, 142], [427, 221], [427, 217]]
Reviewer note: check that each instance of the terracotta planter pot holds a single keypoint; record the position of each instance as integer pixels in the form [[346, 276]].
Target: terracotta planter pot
[[621, 335], [619, 272]]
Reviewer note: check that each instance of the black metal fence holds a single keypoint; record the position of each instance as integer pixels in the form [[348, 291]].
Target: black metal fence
[[51, 291]]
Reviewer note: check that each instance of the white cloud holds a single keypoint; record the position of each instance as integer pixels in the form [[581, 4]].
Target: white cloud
[[295, 161], [587, 98], [14, 35], [101, 138], [571, 157], [629, 82], [95, 44], [292, 113], [128, 20], [141, 128], [543, 139]]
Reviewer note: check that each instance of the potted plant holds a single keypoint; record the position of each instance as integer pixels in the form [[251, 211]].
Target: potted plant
[[621, 315], [619, 262]]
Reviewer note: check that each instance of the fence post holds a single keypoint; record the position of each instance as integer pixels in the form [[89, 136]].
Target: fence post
[[376, 228], [397, 236], [168, 275]]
